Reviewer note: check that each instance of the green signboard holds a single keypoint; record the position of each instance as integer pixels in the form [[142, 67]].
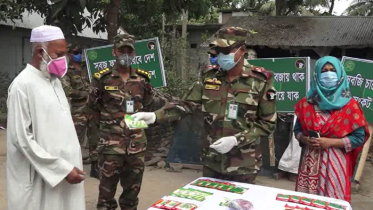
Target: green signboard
[[148, 58], [360, 77], [290, 76]]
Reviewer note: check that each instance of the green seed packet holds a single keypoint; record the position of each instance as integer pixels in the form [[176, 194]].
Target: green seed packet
[[132, 124], [225, 202]]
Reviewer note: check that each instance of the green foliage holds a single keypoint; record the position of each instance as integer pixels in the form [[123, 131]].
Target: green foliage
[[67, 14], [176, 86], [5, 81], [295, 7], [10, 10], [142, 18], [360, 8]]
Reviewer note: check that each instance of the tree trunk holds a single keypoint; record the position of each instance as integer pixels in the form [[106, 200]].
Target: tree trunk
[[331, 7], [112, 17], [184, 44], [185, 24], [174, 45], [163, 30], [280, 6]]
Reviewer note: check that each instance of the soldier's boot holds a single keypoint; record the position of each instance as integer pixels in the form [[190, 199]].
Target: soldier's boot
[[94, 170]]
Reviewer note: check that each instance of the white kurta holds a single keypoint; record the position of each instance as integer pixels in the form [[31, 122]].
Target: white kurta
[[42, 145]]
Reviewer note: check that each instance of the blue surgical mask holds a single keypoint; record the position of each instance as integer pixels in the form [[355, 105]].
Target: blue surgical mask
[[214, 60], [77, 58], [329, 79], [226, 62]]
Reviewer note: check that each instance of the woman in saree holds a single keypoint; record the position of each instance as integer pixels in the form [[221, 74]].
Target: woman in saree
[[328, 162]]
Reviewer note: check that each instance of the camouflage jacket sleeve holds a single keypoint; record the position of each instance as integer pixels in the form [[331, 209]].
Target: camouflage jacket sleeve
[[69, 90], [265, 124], [174, 110], [94, 106], [66, 84]]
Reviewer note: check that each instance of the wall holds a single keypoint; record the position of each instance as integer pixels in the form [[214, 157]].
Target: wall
[[15, 48], [226, 17]]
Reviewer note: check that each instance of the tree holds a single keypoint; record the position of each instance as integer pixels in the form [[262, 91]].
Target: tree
[[188, 9], [67, 14], [360, 8], [295, 7]]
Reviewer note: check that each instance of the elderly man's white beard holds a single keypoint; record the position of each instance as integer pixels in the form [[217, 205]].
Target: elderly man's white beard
[[43, 66]]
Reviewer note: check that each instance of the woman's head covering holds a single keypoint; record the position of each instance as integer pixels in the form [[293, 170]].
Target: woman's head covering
[[329, 98]]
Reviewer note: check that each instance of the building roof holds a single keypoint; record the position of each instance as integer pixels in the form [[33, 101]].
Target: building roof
[[214, 26], [321, 31]]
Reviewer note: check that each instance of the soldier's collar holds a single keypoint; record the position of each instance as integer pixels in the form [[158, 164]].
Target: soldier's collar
[[115, 72], [133, 73], [246, 71]]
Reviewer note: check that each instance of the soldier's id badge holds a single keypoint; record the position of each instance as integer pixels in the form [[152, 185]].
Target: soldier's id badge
[[232, 111], [130, 106]]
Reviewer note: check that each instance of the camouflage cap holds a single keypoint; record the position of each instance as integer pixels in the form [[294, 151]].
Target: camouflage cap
[[122, 40], [212, 49], [74, 47], [226, 37]]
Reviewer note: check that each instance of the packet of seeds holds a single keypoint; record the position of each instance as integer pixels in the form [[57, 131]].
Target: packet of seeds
[[134, 125]]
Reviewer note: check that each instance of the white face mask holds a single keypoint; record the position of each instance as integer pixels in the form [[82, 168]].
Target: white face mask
[[226, 62]]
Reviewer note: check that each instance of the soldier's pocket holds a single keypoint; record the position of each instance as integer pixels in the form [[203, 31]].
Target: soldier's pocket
[[248, 103], [211, 101], [239, 158], [137, 143], [113, 99]]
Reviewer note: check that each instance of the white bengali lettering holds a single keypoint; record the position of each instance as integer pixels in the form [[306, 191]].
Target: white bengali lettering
[[280, 95], [153, 73], [149, 58], [369, 84], [293, 95], [365, 102], [100, 65]]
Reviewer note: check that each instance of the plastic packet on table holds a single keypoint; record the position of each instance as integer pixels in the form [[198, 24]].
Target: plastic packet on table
[[240, 204], [132, 124]]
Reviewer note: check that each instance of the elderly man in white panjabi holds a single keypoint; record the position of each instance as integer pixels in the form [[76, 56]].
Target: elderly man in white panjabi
[[44, 160]]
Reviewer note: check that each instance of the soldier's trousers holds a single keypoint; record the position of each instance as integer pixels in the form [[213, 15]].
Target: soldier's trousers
[[208, 172], [126, 169]]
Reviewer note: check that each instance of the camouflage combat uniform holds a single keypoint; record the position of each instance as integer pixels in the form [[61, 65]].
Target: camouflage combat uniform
[[255, 96], [120, 150], [76, 86]]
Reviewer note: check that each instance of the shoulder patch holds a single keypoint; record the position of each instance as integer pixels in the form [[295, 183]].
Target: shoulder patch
[[143, 73], [101, 73], [213, 81], [262, 71]]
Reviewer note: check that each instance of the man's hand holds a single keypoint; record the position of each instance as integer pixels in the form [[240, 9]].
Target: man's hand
[[225, 144], [311, 142], [75, 176], [148, 117]]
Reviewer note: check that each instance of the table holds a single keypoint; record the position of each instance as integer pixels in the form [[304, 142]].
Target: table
[[263, 198]]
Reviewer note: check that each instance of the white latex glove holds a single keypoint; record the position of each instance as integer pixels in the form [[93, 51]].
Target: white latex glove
[[148, 117], [225, 144]]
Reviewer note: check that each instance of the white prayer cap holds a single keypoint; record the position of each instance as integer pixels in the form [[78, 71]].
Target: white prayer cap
[[46, 34]]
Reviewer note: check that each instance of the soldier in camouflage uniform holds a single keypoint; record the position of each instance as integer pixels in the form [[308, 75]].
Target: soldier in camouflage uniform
[[114, 93], [238, 101], [76, 86]]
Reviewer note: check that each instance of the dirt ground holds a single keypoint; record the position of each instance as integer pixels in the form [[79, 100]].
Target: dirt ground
[[158, 183]]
